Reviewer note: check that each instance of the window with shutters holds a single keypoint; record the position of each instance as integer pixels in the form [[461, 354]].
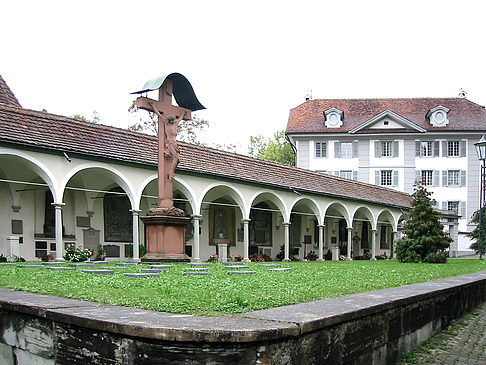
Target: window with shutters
[[426, 149], [453, 148], [426, 177], [453, 206], [346, 150], [453, 178], [386, 178], [386, 149], [321, 149]]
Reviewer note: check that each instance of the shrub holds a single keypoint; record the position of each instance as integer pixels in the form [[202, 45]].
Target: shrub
[[311, 256], [213, 258], [76, 254], [18, 259], [3, 258], [238, 258], [381, 257], [47, 257], [436, 258], [328, 255]]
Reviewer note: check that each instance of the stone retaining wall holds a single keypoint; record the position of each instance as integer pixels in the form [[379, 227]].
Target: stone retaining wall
[[366, 328]]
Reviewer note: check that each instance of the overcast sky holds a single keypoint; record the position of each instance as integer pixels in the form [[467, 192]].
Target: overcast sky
[[249, 62]]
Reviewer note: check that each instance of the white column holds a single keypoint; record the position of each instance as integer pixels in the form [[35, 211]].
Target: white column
[[393, 246], [321, 242], [246, 240], [287, 241], [136, 235], [350, 237], [195, 244], [58, 230], [373, 244]]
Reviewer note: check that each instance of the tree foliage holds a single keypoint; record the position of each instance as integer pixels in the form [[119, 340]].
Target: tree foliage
[[277, 149], [425, 239], [187, 131], [479, 229]]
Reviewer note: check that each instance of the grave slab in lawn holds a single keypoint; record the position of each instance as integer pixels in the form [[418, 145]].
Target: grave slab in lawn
[[281, 269], [60, 268], [196, 273], [30, 266], [160, 266], [237, 267], [82, 265], [141, 274], [101, 272], [242, 272], [127, 263], [53, 263], [7, 264], [269, 265], [153, 270], [198, 264], [196, 269]]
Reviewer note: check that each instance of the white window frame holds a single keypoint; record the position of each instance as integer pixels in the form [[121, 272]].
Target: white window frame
[[453, 177], [454, 147], [318, 147], [426, 148], [427, 177]]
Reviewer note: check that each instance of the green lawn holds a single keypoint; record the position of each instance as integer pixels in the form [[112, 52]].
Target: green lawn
[[222, 293]]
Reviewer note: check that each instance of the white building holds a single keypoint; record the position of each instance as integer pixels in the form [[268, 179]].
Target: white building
[[65, 181], [395, 142]]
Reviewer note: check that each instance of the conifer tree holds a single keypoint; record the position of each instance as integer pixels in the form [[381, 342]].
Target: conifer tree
[[425, 239], [479, 227]]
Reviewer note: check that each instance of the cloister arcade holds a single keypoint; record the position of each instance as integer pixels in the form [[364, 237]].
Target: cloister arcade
[[50, 201]]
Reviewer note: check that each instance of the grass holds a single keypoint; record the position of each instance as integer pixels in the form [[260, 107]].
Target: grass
[[221, 293]]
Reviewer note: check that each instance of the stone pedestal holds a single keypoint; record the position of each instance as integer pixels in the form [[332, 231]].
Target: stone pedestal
[[165, 232], [222, 252], [13, 247], [335, 253]]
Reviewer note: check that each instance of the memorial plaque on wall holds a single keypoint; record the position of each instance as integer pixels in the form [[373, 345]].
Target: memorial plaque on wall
[[83, 222], [17, 226]]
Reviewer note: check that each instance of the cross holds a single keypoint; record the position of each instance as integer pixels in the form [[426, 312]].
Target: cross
[[168, 156]]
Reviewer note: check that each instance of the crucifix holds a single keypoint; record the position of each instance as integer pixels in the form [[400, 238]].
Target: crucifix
[[165, 224], [168, 154]]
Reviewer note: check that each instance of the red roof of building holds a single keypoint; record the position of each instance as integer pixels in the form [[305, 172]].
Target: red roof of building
[[32, 129], [6, 95], [464, 115]]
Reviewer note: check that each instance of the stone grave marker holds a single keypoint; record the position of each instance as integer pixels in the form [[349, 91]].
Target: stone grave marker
[[101, 272], [236, 267], [83, 264], [160, 266], [60, 268], [196, 269], [141, 274], [281, 269], [242, 272], [196, 273]]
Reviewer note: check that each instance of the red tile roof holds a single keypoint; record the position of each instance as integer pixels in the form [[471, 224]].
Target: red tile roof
[[27, 129], [464, 115], [6, 95]]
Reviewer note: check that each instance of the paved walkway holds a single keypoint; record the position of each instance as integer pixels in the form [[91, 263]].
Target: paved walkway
[[462, 343]]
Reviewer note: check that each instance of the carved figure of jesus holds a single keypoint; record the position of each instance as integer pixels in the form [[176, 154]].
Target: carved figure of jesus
[[171, 125]]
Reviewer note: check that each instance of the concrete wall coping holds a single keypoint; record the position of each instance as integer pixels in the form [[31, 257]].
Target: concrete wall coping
[[263, 325]]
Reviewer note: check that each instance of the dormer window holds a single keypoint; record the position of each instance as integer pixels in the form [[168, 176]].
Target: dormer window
[[333, 117], [438, 116]]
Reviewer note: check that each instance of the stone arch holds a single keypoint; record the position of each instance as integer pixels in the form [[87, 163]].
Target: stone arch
[[230, 191], [271, 197], [341, 209], [387, 215], [40, 169], [309, 203], [179, 184], [367, 213], [115, 174]]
